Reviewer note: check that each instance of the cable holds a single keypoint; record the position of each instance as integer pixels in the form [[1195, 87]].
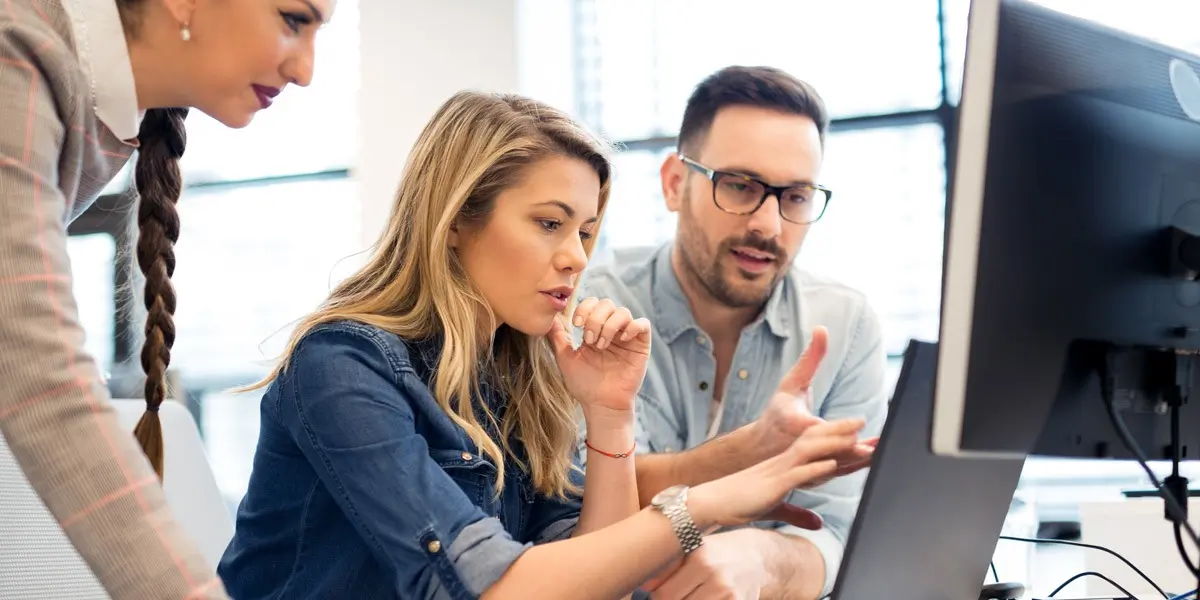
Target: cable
[[1090, 547], [1178, 528], [1178, 485], [994, 575], [1188, 596], [1090, 574], [1178, 513]]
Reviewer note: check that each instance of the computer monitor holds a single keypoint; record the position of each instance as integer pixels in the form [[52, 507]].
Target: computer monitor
[[1071, 271]]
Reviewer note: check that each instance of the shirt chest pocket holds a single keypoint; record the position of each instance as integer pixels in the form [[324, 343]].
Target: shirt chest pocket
[[474, 474]]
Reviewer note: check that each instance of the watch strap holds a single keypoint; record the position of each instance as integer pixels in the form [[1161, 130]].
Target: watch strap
[[682, 524]]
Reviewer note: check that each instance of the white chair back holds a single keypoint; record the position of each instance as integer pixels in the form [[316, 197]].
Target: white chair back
[[37, 561]]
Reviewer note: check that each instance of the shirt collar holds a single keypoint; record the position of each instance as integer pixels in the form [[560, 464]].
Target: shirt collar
[[673, 312], [100, 44]]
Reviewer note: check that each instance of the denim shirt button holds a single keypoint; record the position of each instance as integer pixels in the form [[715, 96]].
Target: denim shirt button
[[466, 456], [434, 547]]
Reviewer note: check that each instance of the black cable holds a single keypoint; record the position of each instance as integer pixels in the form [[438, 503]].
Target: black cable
[[1091, 574], [994, 575], [1179, 544], [1178, 513], [1176, 451], [1090, 547], [1179, 485]]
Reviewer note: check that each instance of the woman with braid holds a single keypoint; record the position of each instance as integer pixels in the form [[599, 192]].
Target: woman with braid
[[83, 85]]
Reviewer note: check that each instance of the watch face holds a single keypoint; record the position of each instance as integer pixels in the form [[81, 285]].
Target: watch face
[[666, 496]]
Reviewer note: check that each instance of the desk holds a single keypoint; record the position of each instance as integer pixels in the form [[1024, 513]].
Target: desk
[[1137, 530]]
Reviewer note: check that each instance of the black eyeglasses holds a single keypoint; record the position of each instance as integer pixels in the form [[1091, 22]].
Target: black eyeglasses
[[740, 194]]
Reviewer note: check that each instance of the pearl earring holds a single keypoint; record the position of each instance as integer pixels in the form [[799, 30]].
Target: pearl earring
[[185, 33]]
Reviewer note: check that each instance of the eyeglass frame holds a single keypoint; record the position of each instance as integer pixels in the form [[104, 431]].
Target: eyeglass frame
[[768, 190]]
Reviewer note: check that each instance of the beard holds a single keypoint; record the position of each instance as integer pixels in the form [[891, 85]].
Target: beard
[[706, 264]]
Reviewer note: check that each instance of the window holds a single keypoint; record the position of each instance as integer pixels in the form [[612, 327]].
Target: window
[[636, 215], [883, 231], [643, 57], [251, 260], [230, 423], [93, 258], [954, 13], [122, 181]]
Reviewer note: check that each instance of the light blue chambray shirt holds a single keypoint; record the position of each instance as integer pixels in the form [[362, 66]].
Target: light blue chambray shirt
[[676, 397]]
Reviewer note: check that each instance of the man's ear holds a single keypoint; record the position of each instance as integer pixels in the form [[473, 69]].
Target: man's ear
[[672, 174]]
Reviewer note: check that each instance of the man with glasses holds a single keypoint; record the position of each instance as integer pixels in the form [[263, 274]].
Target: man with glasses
[[731, 315]]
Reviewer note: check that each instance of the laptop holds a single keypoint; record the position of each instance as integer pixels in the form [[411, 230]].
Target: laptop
[[927, 525]]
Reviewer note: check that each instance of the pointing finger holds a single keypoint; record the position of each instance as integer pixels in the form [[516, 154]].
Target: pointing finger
[[800, 376]]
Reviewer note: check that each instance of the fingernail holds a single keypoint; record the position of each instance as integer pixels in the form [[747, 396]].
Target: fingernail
[[588, 337], [578, 321], [601, 343], [626, 336]]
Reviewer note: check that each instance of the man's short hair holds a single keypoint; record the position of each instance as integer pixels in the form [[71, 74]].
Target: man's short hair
[[764, 87]]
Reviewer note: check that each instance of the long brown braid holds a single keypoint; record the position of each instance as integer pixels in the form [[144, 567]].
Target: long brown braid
[[159, 182]]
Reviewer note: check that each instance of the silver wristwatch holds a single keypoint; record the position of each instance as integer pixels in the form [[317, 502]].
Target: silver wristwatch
[[672, 502]]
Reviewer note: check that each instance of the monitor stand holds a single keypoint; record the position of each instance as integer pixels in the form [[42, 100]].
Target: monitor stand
[[1002, 591]]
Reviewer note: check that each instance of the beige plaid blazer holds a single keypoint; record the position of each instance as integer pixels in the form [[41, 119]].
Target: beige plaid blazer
[[55, 158]]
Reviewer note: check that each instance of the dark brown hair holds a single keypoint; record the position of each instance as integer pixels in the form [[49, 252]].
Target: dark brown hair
[[159, 182], [764, 87], [161, 141]]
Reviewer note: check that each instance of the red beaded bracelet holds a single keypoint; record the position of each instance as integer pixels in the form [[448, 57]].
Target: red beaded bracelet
[[618, 455]]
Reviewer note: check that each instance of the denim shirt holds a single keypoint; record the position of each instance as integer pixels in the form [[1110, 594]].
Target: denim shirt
[[676, 396], [363, 487]]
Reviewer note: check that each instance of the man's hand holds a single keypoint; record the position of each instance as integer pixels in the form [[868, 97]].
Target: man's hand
[[790, 412], [744, 564], [787, 416], [727, 566]]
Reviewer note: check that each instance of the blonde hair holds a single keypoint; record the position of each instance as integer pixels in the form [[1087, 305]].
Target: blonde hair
[[476, 145]]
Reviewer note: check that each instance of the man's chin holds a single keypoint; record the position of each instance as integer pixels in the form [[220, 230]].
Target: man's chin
[[749, 289]]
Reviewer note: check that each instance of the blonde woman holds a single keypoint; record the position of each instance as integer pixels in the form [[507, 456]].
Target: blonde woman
[[418, 437]]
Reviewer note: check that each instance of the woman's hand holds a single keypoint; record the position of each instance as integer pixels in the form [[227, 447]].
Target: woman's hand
[[606, 371], [758, 493]]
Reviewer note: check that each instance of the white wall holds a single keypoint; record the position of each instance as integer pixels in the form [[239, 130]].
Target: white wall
[[415, 55]]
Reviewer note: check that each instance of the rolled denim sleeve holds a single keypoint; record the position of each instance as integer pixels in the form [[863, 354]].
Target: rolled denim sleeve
[[347, 400], [554, 519], [859, 391]]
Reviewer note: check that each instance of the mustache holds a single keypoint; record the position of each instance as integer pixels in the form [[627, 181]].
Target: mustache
[[757, 243]]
